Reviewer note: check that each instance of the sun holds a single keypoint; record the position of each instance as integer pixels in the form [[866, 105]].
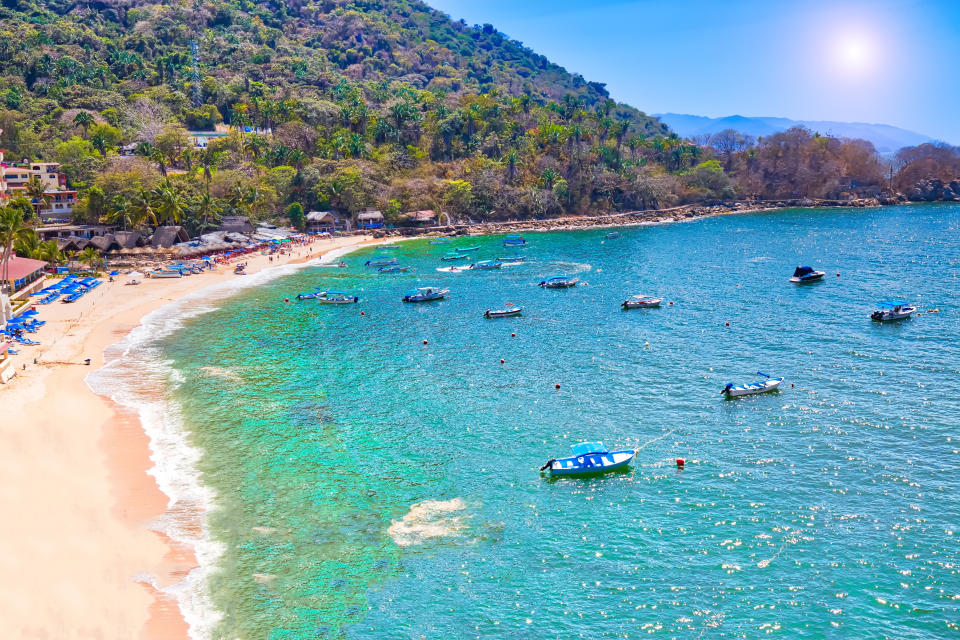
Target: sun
[[854, 53]]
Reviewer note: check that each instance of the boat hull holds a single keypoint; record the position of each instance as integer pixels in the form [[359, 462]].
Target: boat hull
[[503, 313], [564, 284], [754, 388], [892, 316], [592, 463], [642, 304], [816, 276]]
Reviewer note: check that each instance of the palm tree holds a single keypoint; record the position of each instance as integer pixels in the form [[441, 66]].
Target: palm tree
[[157, 156], [207, 209], [208, 161], [37, 192], [186, 155], [12, 228], [141, 209], [84, 120], [50, 252], [27, 245], [99, 141], [169, 203], [120, 213], [90, 257]]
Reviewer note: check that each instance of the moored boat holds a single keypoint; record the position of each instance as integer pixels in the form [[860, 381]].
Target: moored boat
[[752, 388], [395, 268], [381, 261], [466, 249], [559, 282], [335, 297], [893, 310], [802, 275], [514, 241], [641, 302], [589, 458], [389, 246], [486, 264], [441, 241], [508, 312], [613, 234], [165, 274], [509, 259], [425, 294], [455, 256]]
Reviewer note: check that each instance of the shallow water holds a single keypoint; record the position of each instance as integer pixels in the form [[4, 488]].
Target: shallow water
[[371, 486]]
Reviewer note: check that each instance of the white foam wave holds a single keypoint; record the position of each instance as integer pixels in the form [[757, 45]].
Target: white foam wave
[[430, 520], [137, 377]]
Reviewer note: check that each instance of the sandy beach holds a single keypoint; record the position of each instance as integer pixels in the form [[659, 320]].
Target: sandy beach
[[82, 559]]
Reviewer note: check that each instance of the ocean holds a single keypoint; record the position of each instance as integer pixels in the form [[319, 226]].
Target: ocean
[[371, 470]]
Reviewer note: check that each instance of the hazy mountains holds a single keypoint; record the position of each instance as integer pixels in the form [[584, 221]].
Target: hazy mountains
[[884, 137]]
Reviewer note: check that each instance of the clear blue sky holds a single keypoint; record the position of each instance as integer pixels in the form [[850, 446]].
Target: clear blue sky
[[885, 61]]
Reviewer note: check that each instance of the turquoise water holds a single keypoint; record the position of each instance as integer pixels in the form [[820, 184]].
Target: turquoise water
[[371, 486]]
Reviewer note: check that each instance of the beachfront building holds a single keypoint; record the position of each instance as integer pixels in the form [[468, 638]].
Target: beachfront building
[[166, 237], [3, 184], [20, 274], [202, 139], [370, 219], [325, 222], [236, 224], [425, 218], [59, 201]]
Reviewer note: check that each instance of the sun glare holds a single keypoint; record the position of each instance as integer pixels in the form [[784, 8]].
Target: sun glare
[[854, 53]]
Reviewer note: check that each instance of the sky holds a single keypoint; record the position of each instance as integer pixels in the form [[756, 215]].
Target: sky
[[885, 61]]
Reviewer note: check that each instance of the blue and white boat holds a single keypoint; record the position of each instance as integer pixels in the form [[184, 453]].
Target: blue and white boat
[[559, 282], [589, 458], [803, 275], [330, 297], [389, 246], [394, 268], [455, 256], [381, 261], [441, 241], [893, 310], [509, 259], [466, 249], [752, 388], [514, 241], [486, 264], [425, 294]]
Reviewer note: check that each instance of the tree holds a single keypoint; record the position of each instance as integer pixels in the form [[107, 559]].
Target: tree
[[206, 214], [12, 229], [296, 216], [141, 210], [170, 204], [104, 137], [90, 257], [94, 205], [36, 190], [83, 119], [457, 196]]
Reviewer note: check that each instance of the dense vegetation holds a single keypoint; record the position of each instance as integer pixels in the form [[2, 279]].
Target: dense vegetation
[[355, 104]]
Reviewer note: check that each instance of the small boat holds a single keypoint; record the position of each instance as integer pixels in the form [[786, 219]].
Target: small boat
[[306, 296], [455, 256], [237, 270], [389, 246], [589, 458], [509, 259], [509, 312], [559, 282], [393, 269], [752, 388], [381, 262], [893, 310], [466, 249], [641, 302], [803, 275], [425, 294], [514, 241], [441, 241], [486, 264], [335, 297], [613, 234], [171, 274]]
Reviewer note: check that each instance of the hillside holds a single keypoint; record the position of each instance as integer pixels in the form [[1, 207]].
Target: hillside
[[885, 138], [348, 105]]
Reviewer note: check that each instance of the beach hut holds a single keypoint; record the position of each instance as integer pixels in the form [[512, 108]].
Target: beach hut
[[370, 219], [166, 237], [21, 272]]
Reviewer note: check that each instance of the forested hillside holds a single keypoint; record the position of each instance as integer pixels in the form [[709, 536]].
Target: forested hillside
[[349, 104]]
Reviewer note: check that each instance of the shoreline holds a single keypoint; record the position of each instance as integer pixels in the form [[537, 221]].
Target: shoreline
[[84, 499]]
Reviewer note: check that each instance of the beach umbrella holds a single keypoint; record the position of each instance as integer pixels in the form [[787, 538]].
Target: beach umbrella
[[134, 274]]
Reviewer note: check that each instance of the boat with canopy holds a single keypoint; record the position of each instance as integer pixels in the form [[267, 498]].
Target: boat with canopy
[[559, 282], [425, 294], [752, 388], [893, 310], [589, 458], [803, 275]]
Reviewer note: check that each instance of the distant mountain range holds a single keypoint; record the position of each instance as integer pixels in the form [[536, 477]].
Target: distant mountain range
[[885, 138]]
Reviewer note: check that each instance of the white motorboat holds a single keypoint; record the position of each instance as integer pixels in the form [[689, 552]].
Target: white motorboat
[[752, 388]]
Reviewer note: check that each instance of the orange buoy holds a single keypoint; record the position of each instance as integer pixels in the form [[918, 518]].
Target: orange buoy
[[361, 313], [424, 342], [513, 335], [286, 299], [557, 385], [501, 360], [838, 274], [671, 303], [728, 324], [680, 463]]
